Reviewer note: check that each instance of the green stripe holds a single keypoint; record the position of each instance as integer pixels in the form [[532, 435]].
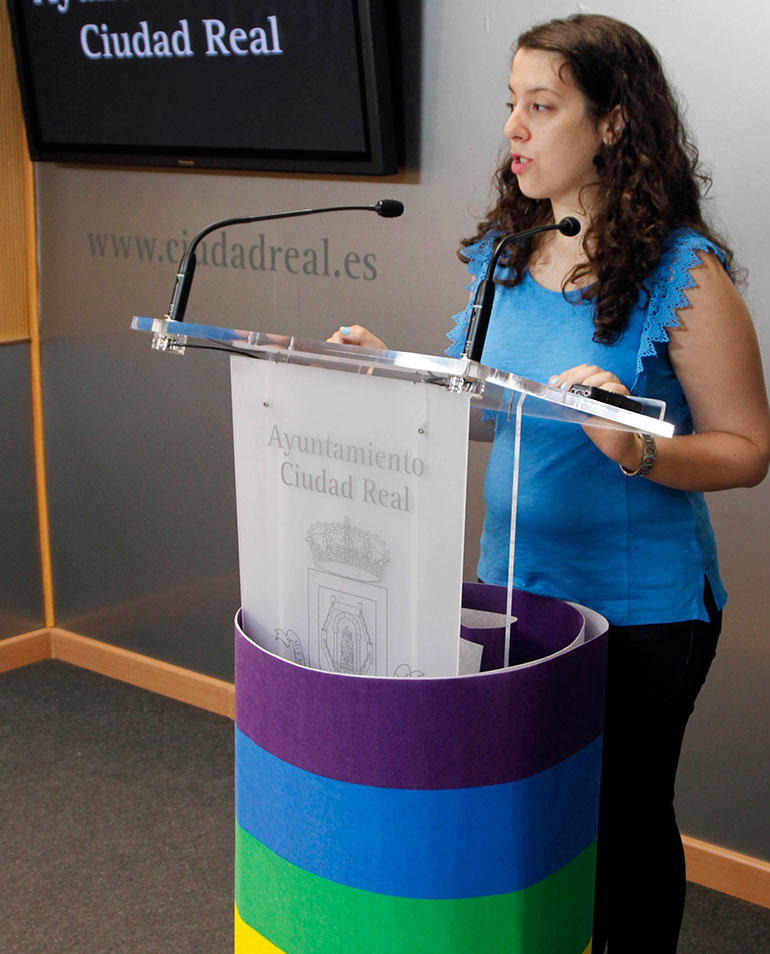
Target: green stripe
[[300, 912]]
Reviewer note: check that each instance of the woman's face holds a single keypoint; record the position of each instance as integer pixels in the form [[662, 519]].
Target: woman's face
[[553, 138]]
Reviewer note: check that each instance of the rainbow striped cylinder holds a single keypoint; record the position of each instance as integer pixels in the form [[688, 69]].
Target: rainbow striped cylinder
[[421, 816]]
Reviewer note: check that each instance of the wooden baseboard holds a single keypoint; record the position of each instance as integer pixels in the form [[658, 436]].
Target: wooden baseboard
[[17, 651], [727, 871], [709, 865], [194, 688], [215, 695]]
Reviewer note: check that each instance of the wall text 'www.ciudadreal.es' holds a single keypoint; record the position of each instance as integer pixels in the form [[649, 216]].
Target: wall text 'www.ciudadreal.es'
[[318, 260]]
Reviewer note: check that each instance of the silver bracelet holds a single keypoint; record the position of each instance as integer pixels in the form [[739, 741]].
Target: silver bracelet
[[649, 455]]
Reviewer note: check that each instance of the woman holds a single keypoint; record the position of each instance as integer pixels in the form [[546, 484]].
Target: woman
[[641, 302]]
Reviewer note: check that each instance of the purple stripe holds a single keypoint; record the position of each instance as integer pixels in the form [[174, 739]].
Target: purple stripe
[[426, 733], [544, 626]]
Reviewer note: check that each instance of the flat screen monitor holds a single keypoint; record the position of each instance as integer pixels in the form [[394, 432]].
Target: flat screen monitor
[[287, 85]]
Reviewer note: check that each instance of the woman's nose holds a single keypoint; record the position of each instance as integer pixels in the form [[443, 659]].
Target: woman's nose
[[514, 127]]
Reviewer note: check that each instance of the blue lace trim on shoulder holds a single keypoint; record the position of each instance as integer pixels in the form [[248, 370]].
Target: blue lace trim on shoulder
[[478, 260], [667, 288]]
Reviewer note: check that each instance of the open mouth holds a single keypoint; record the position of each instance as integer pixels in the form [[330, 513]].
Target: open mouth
[[519, 163]]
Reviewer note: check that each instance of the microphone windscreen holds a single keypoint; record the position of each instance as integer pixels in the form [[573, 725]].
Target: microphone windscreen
[[569, 226], [390, 208]]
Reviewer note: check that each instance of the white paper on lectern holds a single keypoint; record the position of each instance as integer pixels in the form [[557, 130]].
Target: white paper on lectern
[[351, 512]]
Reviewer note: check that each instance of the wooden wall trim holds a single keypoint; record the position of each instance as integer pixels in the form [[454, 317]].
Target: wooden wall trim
[[215, 695], [709, 865], [36, 390], [727, 871], [18, 651]]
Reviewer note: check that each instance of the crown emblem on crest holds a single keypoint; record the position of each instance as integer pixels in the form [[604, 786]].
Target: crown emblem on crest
[[347, 550]]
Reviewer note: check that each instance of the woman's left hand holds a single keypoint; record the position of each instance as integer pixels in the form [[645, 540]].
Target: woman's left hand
[[624, 447]]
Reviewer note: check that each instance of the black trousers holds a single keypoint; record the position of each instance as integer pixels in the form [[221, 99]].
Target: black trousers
[[654, 674]]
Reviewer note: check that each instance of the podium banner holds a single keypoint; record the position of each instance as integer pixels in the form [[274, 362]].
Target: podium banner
[[412, 816], [344, 493]]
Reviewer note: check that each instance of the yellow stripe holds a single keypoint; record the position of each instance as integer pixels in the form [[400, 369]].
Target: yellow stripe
[[248, 941]]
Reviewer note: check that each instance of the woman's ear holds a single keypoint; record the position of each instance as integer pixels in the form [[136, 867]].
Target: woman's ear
[[612, 126]]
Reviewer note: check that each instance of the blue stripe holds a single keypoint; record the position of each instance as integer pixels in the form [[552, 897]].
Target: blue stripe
[[505, 837]]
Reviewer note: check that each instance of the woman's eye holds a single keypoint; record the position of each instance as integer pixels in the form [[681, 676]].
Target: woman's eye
[[534, 107]]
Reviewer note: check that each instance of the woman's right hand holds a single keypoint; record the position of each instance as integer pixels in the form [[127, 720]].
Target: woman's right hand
[[356, 335]]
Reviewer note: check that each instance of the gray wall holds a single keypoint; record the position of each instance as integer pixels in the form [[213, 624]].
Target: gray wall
[[21, 596], [138, 444]]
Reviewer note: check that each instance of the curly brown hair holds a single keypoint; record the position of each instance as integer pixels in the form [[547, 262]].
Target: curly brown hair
[[650, 178]]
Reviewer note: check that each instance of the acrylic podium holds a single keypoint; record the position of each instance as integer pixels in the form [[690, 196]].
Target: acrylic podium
[[385, 803]]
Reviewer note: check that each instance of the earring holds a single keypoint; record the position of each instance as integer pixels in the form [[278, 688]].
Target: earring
[[600, 162]]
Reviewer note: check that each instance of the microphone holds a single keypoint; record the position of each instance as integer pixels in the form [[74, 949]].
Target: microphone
[[387, 208], [485, 293], [569, 225]]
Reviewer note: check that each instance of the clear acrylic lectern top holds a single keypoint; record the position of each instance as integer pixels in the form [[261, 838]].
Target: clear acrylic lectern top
[[488, 388]]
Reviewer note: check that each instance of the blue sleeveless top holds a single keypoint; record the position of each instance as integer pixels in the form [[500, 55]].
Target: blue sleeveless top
[[633, 550]]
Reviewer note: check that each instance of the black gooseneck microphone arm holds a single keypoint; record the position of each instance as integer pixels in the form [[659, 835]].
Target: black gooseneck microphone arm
[[387, 208], [485, 293]]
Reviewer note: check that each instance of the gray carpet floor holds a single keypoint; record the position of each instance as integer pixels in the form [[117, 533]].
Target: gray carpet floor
[[116, 826]]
